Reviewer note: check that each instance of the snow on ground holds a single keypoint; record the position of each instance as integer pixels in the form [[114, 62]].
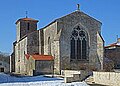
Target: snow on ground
[[7, 80]]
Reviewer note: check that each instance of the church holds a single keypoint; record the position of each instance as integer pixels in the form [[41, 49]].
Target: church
[[71, 42]]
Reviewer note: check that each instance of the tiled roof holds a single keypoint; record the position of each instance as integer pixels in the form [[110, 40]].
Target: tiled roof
[[26, 19], [40, 57], [27, 56], [112, 45]]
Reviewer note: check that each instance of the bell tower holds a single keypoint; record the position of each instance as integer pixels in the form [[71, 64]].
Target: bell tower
[[25, 26]]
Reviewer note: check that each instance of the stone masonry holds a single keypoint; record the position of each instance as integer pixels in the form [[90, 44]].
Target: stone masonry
[[55, 39]]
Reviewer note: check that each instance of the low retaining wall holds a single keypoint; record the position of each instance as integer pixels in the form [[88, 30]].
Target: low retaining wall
[[73, 75], [107, 78]]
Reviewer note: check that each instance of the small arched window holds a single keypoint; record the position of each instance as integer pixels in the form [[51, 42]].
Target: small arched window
[[28, 26], [49, 46], [79, 44]]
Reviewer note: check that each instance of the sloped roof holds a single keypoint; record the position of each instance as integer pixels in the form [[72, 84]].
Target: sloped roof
[[40, 57], [112, 45], [26, 19], [27, 56]]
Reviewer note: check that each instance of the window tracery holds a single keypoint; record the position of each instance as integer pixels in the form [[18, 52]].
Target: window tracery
[[79, 44]]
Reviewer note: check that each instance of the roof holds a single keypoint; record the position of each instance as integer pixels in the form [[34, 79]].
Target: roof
[[40, 57], [112, 45], [26, 19], [27, 56]]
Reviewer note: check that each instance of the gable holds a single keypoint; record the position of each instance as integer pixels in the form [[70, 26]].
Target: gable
[[68, 22], [80, 14]]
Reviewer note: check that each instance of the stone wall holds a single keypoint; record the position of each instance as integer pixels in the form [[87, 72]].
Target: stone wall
[[100, 50], [27, 42], [16, 58], [27, 27], [37, 67], [33, 43], [30, 66], [51, 44], [20, 51], [18, 32], [43, 67], [54, 39], [107, 78], [74, 75], [92, 27], [12, 62], [49, 36], [57, 60], [114, 55], [41, 42]]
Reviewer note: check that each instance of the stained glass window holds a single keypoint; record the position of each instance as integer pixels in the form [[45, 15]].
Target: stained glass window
[[73, 48], [78, 49], [84, 49], [79, 44]]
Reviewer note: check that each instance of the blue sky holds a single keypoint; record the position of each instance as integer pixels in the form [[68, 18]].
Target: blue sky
[[107, 11]]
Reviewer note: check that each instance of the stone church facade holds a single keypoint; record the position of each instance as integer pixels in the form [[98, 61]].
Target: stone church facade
[[73, 40]]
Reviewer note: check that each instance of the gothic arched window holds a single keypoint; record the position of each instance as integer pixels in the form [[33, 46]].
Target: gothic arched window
[[79, 44], [73, 48]]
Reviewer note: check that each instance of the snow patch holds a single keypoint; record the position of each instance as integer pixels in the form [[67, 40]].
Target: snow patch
[[7, 80]]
